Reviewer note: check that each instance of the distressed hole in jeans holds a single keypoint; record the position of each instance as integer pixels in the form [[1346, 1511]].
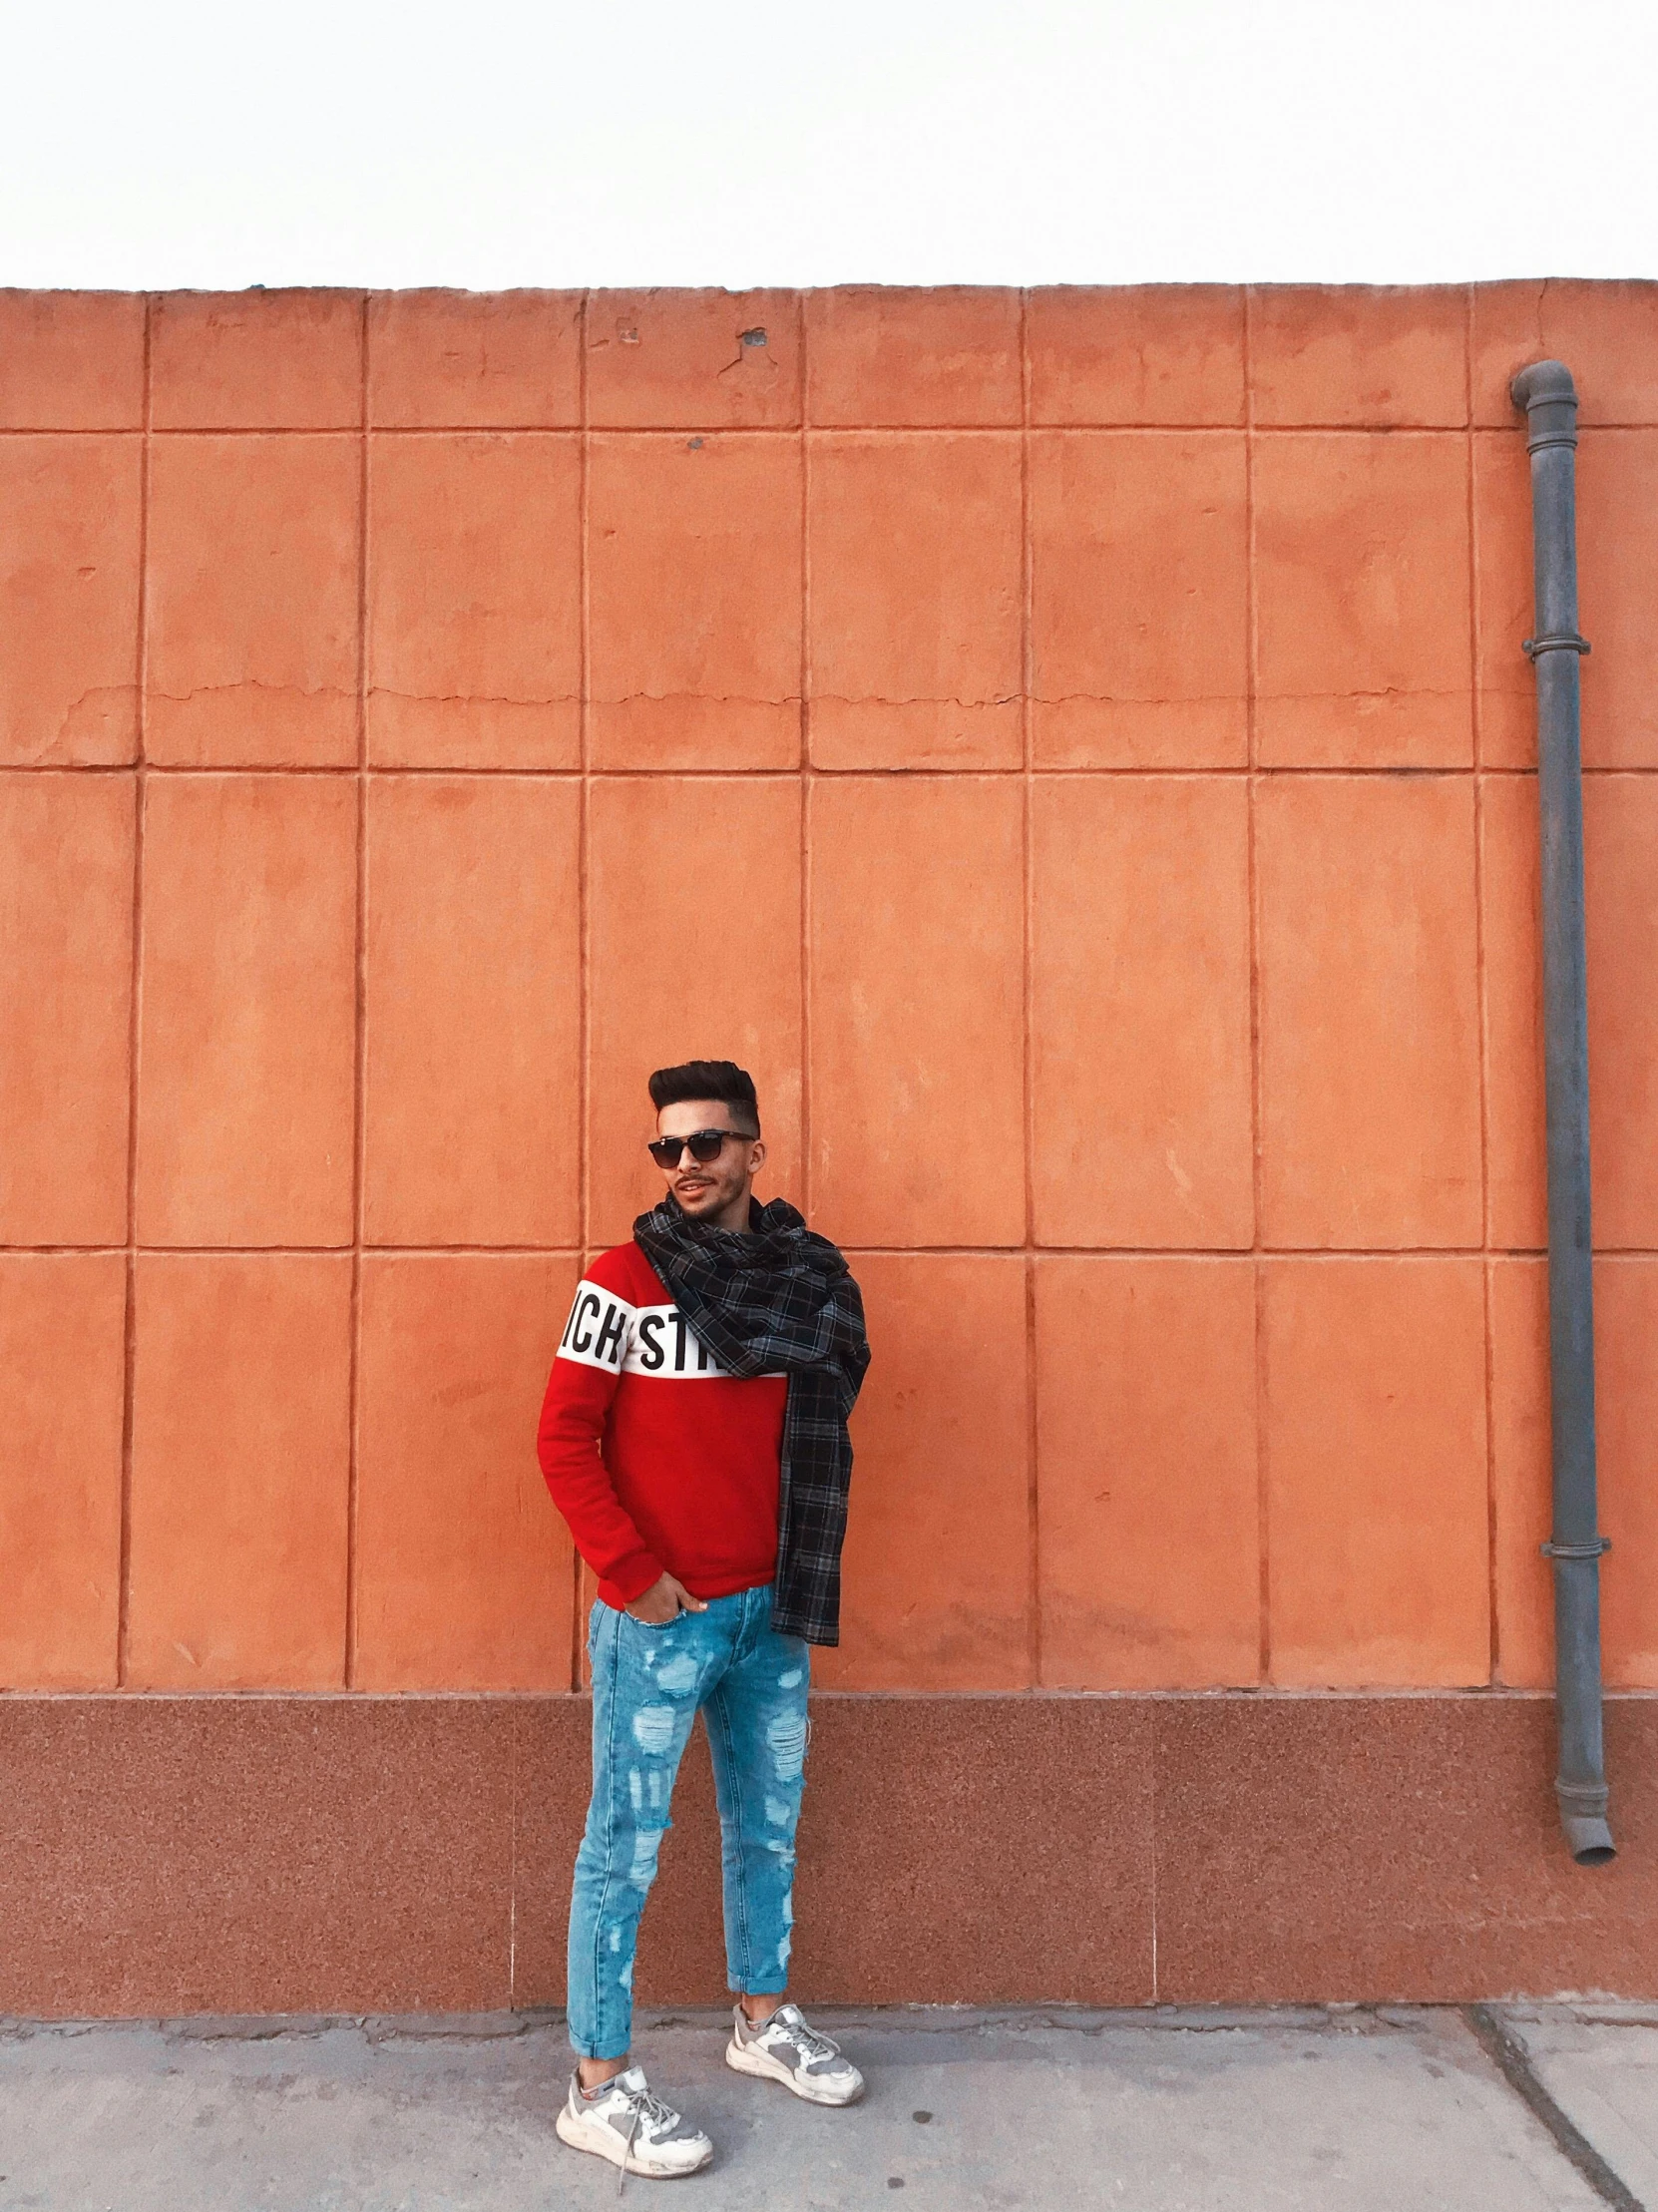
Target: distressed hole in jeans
[[646, 1843], [786, 1734], [654, 1728]]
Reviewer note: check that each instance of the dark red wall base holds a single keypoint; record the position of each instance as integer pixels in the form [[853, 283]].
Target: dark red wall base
[[279, 1853]]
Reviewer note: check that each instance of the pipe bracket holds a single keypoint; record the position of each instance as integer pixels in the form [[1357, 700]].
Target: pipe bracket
[[1556, 640], [1590, 1551]]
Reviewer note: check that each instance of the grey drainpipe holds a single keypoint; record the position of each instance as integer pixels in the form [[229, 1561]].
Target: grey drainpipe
[[1545, 393]]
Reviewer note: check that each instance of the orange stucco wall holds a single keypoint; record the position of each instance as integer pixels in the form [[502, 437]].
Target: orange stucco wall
[[1075, 747]]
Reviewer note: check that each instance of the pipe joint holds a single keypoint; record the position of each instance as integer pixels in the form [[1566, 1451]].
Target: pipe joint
[[1541, 382], [1584, 1817], [1549, 397]]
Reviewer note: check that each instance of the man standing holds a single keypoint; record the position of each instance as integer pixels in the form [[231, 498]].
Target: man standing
[[694, 1439]]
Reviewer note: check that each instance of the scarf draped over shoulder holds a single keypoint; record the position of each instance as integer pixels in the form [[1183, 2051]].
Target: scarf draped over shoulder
[[780, 1301]]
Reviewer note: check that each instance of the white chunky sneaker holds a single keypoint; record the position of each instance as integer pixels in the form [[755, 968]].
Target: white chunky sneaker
[[632, 2128], [783, 2048]]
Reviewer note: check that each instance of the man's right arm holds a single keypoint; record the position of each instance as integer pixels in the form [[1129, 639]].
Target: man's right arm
[[584, 1381]]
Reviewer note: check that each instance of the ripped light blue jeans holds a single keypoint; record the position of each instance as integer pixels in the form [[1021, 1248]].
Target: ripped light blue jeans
[[647, 1686]]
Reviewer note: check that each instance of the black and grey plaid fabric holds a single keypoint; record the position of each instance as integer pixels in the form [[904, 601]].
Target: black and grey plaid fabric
[[780, 1301]]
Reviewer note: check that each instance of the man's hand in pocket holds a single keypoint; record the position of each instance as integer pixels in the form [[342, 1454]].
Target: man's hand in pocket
[[664, 1601]]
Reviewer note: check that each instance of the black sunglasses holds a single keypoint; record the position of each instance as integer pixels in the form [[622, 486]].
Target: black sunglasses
[[705, 1145]]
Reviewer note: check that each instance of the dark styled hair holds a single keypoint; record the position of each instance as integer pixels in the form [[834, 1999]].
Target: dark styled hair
[[709, 1079]]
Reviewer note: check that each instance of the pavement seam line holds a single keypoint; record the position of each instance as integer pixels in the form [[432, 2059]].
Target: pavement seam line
[[1513, 2061]]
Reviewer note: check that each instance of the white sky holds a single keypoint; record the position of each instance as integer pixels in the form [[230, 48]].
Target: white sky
[[160, 143]]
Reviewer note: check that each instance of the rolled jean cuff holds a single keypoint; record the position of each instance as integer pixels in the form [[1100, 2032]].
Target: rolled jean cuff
[[581, 2050]]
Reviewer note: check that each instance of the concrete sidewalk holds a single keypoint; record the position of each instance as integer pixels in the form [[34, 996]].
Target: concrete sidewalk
[[1399, 2109]]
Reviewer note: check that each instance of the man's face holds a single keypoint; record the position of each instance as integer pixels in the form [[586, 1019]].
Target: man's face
[[707, 1190]]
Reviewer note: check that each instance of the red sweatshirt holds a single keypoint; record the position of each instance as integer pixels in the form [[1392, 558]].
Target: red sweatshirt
[[656, 1457]]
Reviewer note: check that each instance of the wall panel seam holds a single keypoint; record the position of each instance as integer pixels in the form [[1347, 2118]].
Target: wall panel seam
[[1119, 426], [1263, 1514], [359, 1096], [803, 770], [129, 1403], [583, 893], [228, 771], [1033, 1432], [1218, 1254], [1482, 1012]]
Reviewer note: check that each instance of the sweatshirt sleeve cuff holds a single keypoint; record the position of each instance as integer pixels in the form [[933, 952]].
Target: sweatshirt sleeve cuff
[[634, 1576]]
